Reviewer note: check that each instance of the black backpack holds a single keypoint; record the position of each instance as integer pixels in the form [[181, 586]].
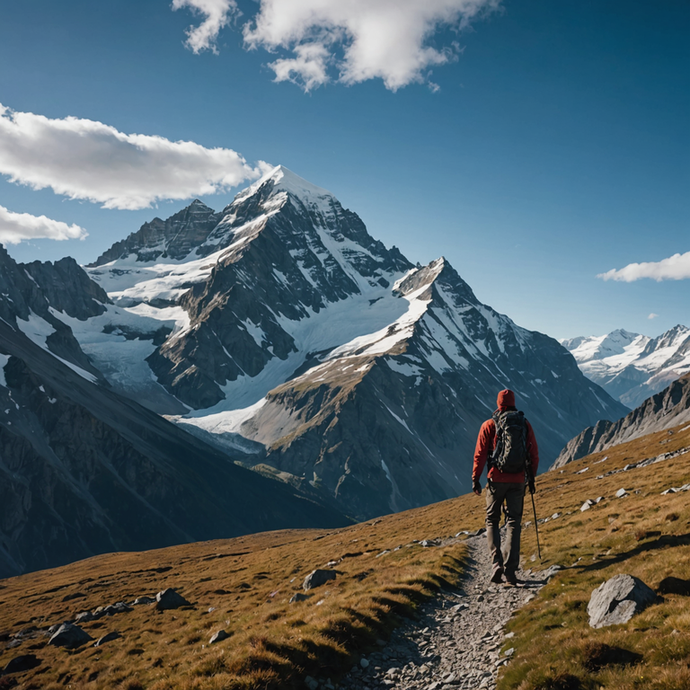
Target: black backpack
[[510, 454]]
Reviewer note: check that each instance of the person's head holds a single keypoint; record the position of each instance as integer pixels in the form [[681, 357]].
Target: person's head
[[505, 400]]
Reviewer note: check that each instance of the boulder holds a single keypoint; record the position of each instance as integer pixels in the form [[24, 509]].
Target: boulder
[[69, 635], [587, 505], [218, 637], [317, 578], [143, 600], [617, 600], [84, 617], [170, 599], [107, 638], [620, 493], [25, 662]]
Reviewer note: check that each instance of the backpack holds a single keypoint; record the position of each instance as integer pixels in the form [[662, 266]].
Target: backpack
[[510, 454]]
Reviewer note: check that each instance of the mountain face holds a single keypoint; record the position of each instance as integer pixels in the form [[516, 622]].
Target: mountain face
[[663, 410], [84, 470], [631, 367], [280, 325]]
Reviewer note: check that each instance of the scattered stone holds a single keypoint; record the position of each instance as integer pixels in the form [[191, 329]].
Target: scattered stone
[[218, 637], [430, 542], [70, 636], [170, 599], [25, 662], [317, 578], [140, 601], [299, 597], [617, 600], [84, 617], [586, 505], [311, 683], [620, 493], [107, 638], [364, 663], [119, 607]]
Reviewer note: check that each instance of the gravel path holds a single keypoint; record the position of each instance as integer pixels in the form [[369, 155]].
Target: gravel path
[[456, 641]]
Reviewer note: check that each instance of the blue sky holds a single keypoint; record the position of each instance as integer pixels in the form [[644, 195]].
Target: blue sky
[[550, 147]]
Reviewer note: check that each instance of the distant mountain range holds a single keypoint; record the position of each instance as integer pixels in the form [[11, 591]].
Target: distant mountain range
[[279, 332], [632, 367]]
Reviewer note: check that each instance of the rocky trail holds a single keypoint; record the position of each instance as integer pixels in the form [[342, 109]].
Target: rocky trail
[[456, 640]]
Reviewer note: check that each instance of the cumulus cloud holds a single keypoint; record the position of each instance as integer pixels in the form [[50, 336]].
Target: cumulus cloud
[[15, 227], [676, 267], [360, 39], [86, 159], [217, 14]]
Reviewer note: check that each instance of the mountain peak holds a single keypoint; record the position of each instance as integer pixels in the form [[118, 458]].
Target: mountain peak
[[283, 179]]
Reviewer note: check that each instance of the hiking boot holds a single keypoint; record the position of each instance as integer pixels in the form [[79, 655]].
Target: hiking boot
[[511, 579], [497, 576]]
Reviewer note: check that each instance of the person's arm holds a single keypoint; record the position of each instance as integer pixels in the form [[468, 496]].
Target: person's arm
[[485, 441]]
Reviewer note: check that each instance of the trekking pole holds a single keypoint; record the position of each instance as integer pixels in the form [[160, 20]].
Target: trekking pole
[[534, 508]]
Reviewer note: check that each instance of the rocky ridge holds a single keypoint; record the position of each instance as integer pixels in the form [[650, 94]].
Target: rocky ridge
[[663, 410]]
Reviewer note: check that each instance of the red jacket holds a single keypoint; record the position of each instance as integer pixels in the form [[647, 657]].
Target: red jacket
[[487, 441]]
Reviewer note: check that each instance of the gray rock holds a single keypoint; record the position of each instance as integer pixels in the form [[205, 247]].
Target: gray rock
[[218, 637], [296, 598], [620, 493], [170, 599], [107, 638], [364, 663], [139, 601], [69, 635], [317, 578], [587, 505], [84, 617], [311, 683], [617, 600]]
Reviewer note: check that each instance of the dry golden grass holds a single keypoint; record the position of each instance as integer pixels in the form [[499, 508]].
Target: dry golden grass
[[248, 581], [644, 534]]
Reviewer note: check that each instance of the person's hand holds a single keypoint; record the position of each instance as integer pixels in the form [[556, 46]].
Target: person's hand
[[476, 487], [530, 484]]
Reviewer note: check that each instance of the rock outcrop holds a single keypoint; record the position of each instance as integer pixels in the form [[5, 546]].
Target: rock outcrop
[[617, 600]]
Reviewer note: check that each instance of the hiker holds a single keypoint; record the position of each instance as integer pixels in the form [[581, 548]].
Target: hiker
[[507, 441]]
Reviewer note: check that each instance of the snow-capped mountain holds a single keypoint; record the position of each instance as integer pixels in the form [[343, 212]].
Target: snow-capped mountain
[[632, 367], [280, 325]]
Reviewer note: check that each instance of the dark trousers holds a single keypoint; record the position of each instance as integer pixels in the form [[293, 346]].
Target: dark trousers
[[511, 494]]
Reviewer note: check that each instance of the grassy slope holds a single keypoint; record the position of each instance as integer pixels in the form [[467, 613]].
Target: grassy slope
[[249, 580], [644, 534]]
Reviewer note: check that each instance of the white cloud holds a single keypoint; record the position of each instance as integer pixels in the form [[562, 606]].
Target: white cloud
[[652, 316], [85, 159], [15, 227], [676, 267], [217, 14], [360, 39]]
